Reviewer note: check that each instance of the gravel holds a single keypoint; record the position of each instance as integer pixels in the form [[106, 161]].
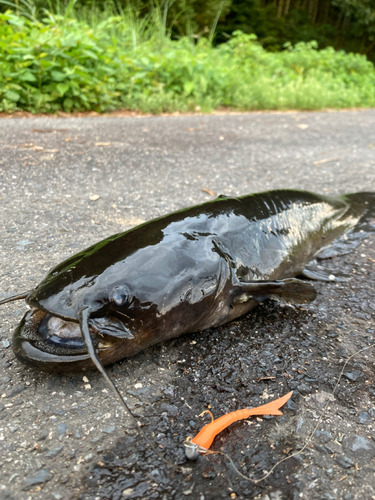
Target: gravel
[[65, 436]]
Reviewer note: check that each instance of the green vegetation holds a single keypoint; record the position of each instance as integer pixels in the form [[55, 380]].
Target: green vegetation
[[95, 60], [342, 24]]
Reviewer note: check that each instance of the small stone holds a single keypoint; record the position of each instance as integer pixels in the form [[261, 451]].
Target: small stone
[[322, 436], [42, 435], [300, 423], [41, 477], [322, 449], [322, 397], [348, 496], [330, 473], [12, 428], [291, 405], [332, 334], [58, 411], [360, 447], [359, 315], [353, 376], [61, 429], [364, 418], [169, 391], [12, 477], [344, 462], [328, 496], [4, 344], [109, 430], [54, 452], [64, 478], [171, 409], [57, 496], [16, 391]]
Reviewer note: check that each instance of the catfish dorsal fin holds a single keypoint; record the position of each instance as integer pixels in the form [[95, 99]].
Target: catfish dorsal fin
[[289, 290]]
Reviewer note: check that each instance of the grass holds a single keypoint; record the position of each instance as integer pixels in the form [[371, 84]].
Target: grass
[[76, 60]]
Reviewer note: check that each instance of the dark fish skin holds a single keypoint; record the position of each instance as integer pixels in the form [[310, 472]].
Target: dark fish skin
[[189, 270]]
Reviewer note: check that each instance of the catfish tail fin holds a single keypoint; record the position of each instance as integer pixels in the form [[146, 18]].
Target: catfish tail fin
[[361, 206]]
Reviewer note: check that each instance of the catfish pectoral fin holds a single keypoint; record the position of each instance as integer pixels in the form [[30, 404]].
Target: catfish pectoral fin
[[317, 272], [288, 290]]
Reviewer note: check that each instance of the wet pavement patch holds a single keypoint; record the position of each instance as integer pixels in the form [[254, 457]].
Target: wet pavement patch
[[234, 367]]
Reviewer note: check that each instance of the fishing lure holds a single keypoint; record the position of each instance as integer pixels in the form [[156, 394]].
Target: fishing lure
[[204, 439]]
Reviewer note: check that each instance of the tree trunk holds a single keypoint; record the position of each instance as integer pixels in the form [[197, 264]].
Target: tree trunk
[[339, 20], [280, 9], [346, 23], [287, 5], [326, 12], [315, 11], [311, 9]]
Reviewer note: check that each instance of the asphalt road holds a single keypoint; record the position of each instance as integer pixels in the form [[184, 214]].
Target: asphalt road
[[66, 183]]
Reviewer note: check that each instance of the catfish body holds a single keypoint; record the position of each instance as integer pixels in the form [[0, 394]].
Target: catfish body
[[192, 269]]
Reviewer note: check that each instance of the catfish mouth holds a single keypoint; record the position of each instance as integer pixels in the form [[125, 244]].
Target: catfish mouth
[[61, 332], [67, 334], [61, 337]]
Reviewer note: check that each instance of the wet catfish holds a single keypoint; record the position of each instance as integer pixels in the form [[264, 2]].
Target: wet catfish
[[189, 270]]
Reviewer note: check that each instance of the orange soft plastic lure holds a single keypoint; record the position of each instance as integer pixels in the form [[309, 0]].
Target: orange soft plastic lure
[[203, 440]]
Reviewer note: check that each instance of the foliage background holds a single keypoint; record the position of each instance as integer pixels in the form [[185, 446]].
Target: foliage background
[[342, 24], [170, 57]]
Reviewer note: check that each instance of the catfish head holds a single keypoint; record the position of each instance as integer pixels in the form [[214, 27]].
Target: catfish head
[[124, 300]]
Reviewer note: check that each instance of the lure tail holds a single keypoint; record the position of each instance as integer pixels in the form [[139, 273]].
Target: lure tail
[[271, 408]]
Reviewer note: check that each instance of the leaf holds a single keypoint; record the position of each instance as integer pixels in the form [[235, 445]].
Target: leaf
[[68, 104], [188, 87], [58, 76], [63, 88], [27, 76], [12, 95]]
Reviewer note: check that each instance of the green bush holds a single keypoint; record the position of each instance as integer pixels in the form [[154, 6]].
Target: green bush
[[70, 64]]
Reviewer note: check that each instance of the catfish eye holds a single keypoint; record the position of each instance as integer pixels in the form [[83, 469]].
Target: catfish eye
[[119, 295]]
